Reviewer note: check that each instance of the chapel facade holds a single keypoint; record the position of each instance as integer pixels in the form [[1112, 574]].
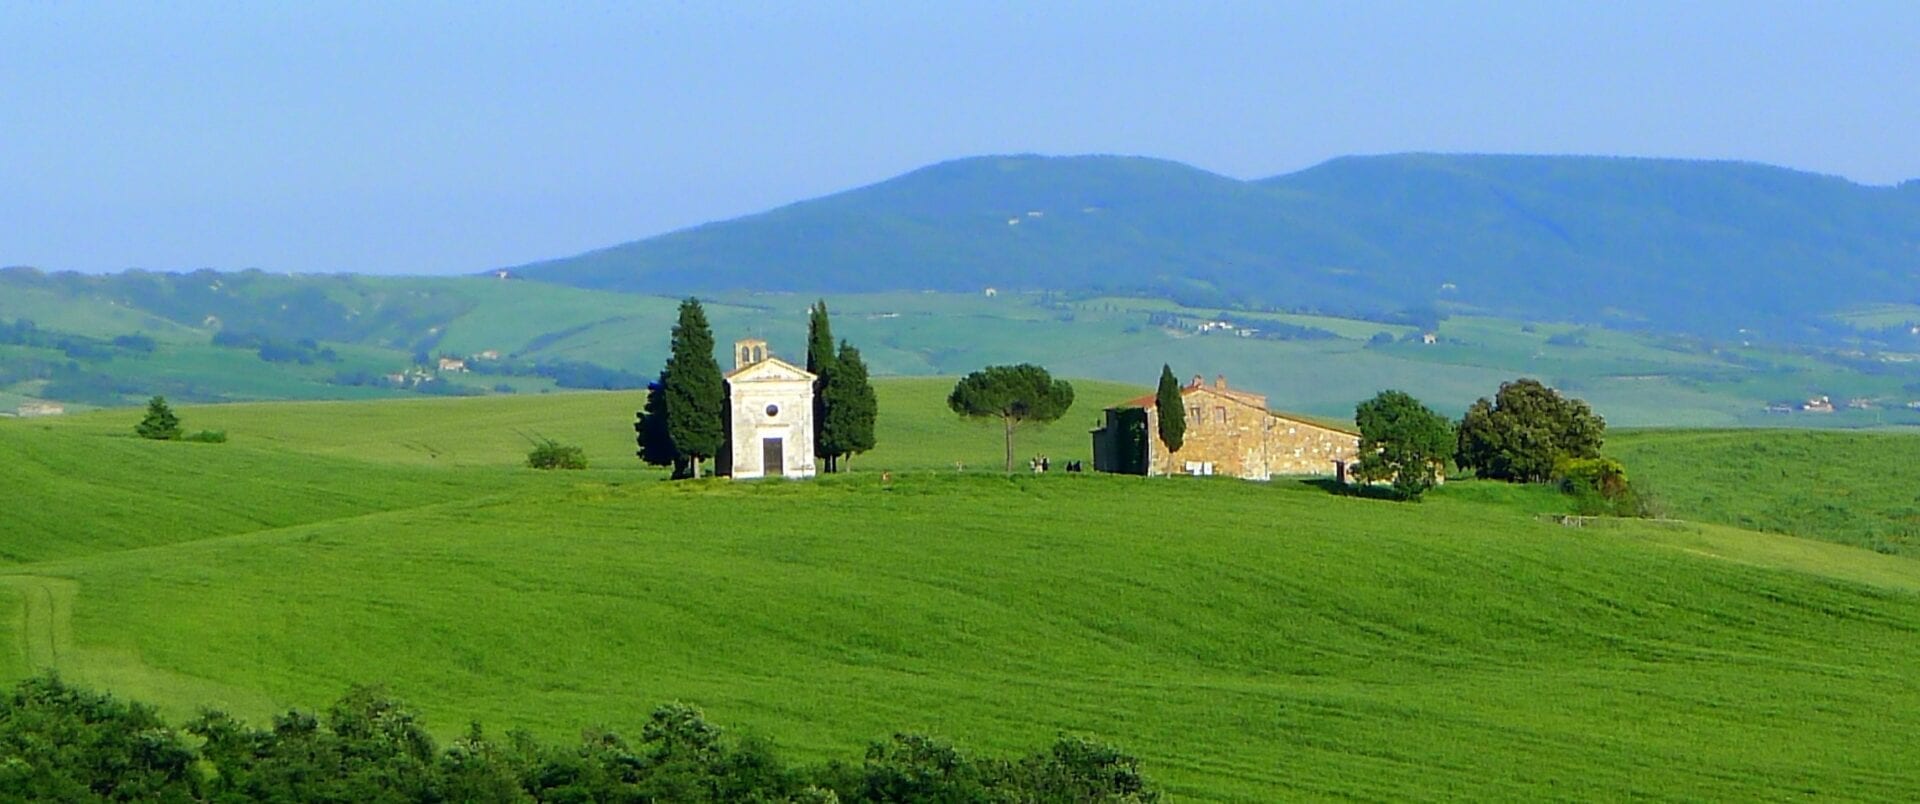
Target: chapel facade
[[769, 416], [1229, 432]]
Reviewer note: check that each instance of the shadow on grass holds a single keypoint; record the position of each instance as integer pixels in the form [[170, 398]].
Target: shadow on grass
[[1366, 492]]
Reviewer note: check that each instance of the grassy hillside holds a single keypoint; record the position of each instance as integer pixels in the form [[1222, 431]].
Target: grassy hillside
[[1682, 246], [1851, 488], [914, 431], [1250, 641]]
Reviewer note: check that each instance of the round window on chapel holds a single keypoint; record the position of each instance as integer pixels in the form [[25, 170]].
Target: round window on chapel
[[773, 410]]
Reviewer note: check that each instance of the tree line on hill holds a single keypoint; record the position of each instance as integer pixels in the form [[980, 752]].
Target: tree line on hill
[[1527, 433], [72, 375], [24, 332], [684, 421], [59, 742]]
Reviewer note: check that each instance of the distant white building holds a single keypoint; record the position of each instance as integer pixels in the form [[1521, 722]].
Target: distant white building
[[769, 416], [41, 409]]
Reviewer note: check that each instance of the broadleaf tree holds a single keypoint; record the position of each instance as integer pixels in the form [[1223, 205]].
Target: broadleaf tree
[[1172, 410], [1524, 431], [851, 409], [1015, 395], [1401, 441], [696, 395]]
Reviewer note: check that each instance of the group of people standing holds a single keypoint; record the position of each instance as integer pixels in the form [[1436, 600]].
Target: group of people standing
[[1041, 463]]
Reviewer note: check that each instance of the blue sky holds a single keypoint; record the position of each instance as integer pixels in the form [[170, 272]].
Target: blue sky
[[455, 137]]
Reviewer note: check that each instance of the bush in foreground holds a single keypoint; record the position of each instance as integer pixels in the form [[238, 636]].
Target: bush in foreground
[[61, 743]]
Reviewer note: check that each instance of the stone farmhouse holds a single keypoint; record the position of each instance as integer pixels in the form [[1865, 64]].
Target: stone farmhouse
[[769, 416], [30, 409], [1229, 432]]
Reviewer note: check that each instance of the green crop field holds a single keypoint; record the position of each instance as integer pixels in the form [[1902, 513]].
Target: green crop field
[[1249, 641], [371, 328], [1861, 489]]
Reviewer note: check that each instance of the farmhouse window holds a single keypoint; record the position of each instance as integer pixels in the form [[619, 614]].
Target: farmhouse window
[[1219, 415]]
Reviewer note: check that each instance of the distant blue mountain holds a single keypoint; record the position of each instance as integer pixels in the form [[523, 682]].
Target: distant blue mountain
[[1668, 244]]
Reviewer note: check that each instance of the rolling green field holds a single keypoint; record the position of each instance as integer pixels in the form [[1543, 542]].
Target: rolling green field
[[1853, 488], [1249, 641]]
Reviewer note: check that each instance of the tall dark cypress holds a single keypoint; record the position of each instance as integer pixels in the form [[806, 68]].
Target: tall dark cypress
[[695, 394], [820, 359], [1173, 411], [851, 406], [656, 447]]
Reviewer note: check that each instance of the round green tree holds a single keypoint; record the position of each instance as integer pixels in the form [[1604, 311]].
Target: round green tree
[[1524, 431], [1402, 442]]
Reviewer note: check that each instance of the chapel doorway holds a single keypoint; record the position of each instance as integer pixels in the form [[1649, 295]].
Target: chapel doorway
[[773, 459]]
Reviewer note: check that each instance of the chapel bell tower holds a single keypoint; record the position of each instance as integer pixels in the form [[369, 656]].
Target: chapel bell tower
[[748, 351]]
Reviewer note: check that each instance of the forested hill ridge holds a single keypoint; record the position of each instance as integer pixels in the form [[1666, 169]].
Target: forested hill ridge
[[1695, 246]]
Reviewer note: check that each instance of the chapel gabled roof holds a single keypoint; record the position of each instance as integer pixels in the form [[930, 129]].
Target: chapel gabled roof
[[775, 368]]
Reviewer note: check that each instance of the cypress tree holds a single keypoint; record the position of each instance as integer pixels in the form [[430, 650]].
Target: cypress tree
[[820, 361], [160, 424], [851, 406], [694, 393], [656, 447], [1173, 412]]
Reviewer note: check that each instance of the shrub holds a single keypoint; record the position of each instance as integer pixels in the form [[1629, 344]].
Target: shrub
[[551, 454], [1599, 487], [1605, 475], [207, 437]]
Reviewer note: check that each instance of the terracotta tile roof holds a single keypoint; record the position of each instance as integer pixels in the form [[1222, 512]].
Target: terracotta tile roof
[[1243, 397]]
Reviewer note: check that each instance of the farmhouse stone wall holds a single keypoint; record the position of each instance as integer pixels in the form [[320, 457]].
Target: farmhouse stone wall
[[1229, 432]]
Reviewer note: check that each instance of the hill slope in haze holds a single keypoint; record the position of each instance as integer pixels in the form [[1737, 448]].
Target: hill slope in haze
[[1672, 244]]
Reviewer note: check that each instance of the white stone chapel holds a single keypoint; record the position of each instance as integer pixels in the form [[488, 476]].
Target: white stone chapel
[[769, 416]]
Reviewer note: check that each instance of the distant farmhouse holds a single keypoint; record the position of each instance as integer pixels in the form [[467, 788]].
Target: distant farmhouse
[[1229, 432], [28, 409], [769, 416]]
